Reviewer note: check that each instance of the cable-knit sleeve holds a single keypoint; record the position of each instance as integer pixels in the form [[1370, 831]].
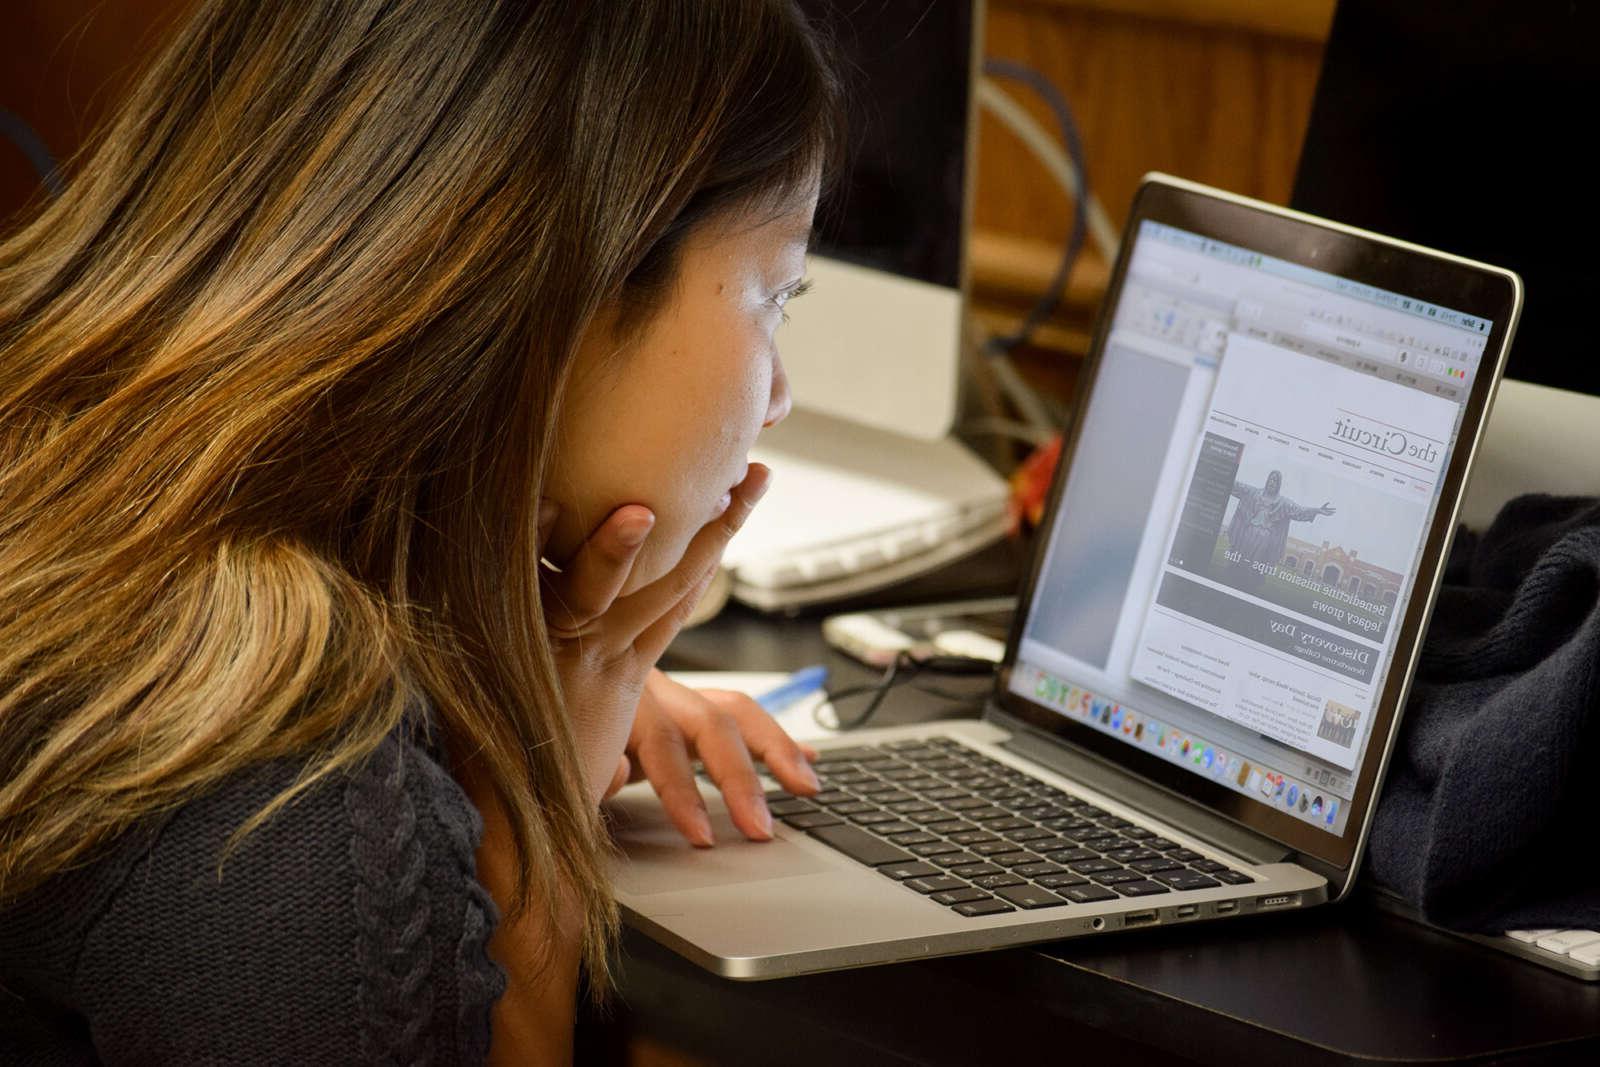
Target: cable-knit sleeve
[[350, 928]]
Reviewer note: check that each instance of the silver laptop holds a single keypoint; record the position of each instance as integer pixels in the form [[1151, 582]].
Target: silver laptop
[[1203, 681]]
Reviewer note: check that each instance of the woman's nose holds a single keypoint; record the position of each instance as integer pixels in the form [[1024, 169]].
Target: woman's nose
[[781, 400]]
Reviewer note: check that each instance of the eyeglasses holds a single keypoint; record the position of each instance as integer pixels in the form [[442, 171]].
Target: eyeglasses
[[854, 705]]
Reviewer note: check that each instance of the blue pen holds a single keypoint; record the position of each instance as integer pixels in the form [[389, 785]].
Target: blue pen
[[802, 683]]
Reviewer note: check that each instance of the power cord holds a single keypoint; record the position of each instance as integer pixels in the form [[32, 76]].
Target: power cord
[[905, 667]]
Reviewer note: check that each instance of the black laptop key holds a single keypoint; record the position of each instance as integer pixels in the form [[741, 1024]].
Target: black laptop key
[[846, 755], [992, 848], [985, 815], [896, 826], [997, 881], [965, 895], [963, 803], [923, 785], [915, 837], [1093, 866], [905, 807], [813, 819], [933, 848], [1062, 880], [1071, 855], [1010, 823], [860, 845], [1137, 833], [1208, 866], [1186, 880], [1034, 870], [902, 871], [983, 907], [963, 774], [1049, 811], [1067, 824], [942, 883], [1086, 894], [955, 859], [976, 870], [1129, 855], [1015, 859], [1141, 889], [1115, 823], [947, 792], [830, 797], [1030, 897], [930, 816], [972, 837], [854, 777], [873, 788], [901, 774], [870, 816], [1186, 855], [1117, 876], [1089, 811], [1231, 877], [1161, 844], [1103, 842], [1152, 866], [898, 796], [1028, 833], [789, 807]]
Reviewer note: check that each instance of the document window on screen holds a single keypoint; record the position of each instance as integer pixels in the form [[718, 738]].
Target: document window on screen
[[1247, 503]]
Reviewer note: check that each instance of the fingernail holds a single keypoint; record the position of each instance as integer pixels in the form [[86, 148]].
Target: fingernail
[[764, 818], [633, 531], [760, 490], [702, 830], [725, 503], [810, 776]]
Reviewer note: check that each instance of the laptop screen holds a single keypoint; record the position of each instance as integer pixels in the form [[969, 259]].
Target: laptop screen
[[1241, 525]]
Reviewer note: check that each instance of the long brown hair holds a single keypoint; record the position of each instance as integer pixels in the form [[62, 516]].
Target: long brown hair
[[279, 374]]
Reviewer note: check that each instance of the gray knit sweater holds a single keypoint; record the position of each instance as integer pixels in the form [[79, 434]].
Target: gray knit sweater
[[351, 928]]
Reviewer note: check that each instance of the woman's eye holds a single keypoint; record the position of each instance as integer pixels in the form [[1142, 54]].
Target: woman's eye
[[783, 297]]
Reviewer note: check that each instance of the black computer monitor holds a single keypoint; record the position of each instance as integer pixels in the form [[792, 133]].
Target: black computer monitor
[[1467, 125]]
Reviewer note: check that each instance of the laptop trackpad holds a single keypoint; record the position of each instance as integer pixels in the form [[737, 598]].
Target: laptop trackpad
[[659, 860]]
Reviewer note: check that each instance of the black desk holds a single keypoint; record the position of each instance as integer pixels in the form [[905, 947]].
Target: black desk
[[1339, 984]]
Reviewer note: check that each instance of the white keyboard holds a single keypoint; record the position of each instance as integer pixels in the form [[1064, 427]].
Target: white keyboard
[[1574, 952], [1577, 952]]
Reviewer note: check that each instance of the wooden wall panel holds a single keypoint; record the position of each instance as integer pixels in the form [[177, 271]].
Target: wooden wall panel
[[63, 63], [1218, 92]]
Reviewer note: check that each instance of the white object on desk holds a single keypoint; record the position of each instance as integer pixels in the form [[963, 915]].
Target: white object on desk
[[853, 509], [1538, 440], [799, 719]]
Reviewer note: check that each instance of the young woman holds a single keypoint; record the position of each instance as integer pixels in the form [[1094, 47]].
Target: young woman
[[357, 310]]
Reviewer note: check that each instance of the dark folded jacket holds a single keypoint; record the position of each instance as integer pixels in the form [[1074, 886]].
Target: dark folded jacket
[[1487, 820]]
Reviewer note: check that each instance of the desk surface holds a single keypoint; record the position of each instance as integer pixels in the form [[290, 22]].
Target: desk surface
[[1331, 985]]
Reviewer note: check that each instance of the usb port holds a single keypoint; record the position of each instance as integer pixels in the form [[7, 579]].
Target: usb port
[[1278, 901], [1188, 911], [1139, 918], [1224, 907]]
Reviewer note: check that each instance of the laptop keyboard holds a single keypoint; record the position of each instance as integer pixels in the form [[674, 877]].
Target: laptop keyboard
[[980, 837]]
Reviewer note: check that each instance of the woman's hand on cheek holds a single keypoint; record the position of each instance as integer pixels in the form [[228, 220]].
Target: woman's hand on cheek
[[605, 644], [676, 724]]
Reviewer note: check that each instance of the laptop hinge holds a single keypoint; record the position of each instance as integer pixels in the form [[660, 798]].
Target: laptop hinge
[[1060, 756]]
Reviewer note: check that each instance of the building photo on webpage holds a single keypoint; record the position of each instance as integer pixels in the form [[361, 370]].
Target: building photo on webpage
[[1292, 547]]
